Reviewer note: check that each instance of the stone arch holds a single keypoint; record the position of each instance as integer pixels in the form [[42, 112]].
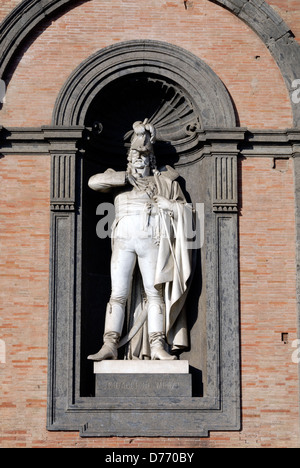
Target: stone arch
[[257, 14], [190, 91]]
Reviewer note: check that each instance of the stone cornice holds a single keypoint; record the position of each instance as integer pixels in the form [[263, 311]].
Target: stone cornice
[[250, 143], [40, 141]]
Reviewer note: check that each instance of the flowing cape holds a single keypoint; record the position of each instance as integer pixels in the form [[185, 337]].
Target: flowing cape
[[174, 272]]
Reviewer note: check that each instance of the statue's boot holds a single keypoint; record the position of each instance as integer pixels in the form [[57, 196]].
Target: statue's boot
[[109, 349], [157, 346], [114, 321], [156, 327]]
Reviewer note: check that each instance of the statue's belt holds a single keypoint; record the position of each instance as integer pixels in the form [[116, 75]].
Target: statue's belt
[[135, 207]]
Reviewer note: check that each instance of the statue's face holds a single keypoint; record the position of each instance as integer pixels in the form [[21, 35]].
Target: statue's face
[[140, 160]]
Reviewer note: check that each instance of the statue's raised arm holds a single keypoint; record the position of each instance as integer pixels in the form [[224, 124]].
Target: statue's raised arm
[[107, 181]]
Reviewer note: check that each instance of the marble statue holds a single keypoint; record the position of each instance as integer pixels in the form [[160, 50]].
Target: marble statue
[[151, 267]]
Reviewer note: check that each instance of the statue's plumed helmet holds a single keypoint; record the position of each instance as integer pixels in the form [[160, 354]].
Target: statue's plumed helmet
[[143, 137]]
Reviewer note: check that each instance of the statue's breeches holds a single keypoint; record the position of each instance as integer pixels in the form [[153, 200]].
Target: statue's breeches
[[124, 257]]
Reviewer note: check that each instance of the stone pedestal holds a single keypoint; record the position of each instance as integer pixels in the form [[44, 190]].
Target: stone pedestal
[[143, 379], [141, 367]]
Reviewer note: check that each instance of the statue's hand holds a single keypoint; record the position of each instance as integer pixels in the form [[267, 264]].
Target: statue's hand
[[163, 203]]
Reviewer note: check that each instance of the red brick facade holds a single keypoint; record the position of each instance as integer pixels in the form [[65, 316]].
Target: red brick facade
[[270, 393]]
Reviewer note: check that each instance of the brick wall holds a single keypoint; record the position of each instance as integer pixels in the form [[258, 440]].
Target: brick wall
[[6, 7], [230, 47], [267, 224], [268, 303]]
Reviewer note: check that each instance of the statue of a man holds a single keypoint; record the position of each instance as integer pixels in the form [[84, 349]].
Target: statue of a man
[[150, 265]]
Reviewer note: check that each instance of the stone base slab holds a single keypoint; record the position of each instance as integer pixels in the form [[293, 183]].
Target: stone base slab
[[141, 367]]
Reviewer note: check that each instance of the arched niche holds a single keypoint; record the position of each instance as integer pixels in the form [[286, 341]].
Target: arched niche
[[183, 98], [174, 65]]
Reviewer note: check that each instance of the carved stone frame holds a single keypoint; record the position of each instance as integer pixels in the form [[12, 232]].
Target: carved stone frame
[[219, 409]]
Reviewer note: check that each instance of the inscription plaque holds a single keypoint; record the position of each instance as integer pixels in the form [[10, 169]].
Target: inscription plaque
[[144, 385]]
